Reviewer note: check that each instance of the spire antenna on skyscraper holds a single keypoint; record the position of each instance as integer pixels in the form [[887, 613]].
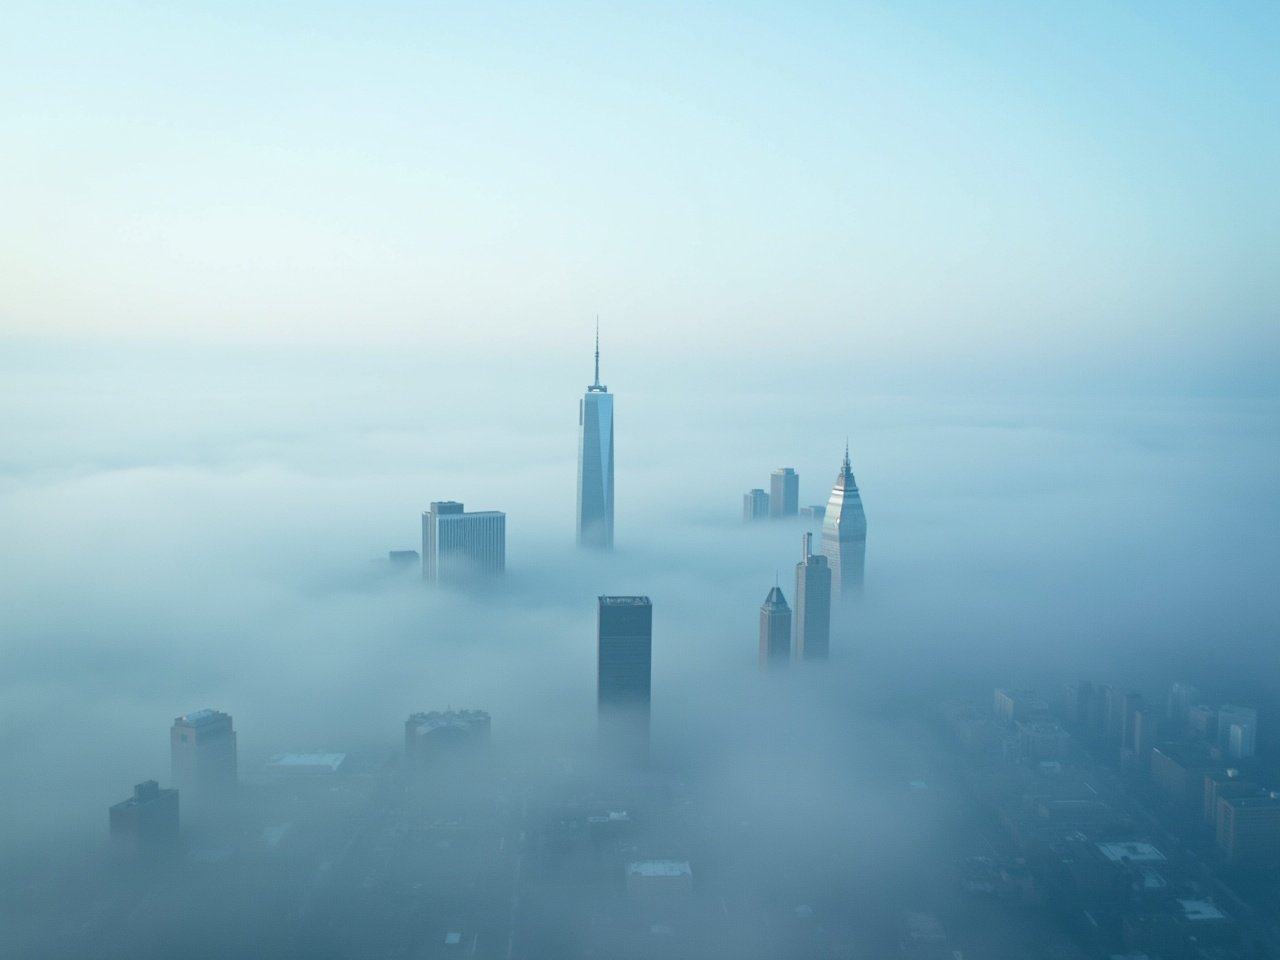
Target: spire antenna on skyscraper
[[597, 383]]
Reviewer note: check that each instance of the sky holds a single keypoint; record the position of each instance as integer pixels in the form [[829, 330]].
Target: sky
[[275, 276], [994, 186]]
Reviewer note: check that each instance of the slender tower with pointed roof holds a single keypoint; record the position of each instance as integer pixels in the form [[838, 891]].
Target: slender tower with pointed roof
[[775, 630], [844, 534], [595, 463]]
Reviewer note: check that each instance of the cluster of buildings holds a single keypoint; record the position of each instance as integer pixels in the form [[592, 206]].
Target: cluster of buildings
[[202, 753], [782, 500], [203, 743], [1124, 815], [821, 580], [460, 546]]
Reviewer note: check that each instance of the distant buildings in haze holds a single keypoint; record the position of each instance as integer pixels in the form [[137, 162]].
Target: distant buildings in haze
[[595, 464], [458, 546], [784, 493], [781, 500], [442, 733], [755, 505]]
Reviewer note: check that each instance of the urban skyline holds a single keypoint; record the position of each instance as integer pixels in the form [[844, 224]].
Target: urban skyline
[[284, 278]]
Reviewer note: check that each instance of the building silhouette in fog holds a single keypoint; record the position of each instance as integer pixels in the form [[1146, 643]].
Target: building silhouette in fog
[[755, 505], [202, 751], [442, 733], [775, 630], [458, 546], [844, 534], [1237, 731], [595, 464], [147, 823], [784, 493], [813, 604], [624, 671]]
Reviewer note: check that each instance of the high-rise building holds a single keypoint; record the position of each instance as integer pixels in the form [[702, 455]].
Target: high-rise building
[[1249, 828], [775, 630], [457, 546], [595, 464], [844, 534], [784, 493], [1237, 728], [624, 671], [755, 505], [813, 604], [1182, 697], [146, 823], [202, 751]]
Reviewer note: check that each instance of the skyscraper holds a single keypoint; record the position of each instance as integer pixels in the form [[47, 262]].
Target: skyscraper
[[595, 464], [755, 505], [457, 545], [624, 663], [844, 534], [813, 604], [147, 823], [1238, 744], [202, 751], [775, 630], [784, 493]]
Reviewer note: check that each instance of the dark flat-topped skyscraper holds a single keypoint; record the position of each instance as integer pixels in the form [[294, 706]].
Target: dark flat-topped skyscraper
[[813, 604], [457, 546], [147, 823], [624, 670], [202, 749], [784, 493], [844, 534], [775, 630], [595, 464]]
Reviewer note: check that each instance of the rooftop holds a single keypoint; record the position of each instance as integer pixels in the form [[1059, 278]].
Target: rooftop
[[458, 719], [624, 602], [1137, 851], [1201, 910], [201, 717], [659, 868], [307, 761]]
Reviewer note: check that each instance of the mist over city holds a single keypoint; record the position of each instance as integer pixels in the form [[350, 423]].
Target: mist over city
[[639, 483]]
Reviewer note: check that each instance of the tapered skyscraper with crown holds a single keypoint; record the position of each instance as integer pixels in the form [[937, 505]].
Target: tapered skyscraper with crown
[[595, 464], [844, 535]]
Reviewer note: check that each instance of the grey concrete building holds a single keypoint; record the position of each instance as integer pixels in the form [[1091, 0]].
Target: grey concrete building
[[813, 604]]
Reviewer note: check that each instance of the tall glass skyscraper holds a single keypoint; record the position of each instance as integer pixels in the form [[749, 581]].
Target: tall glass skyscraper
[[624, 671], [595, 464], [844, 534]]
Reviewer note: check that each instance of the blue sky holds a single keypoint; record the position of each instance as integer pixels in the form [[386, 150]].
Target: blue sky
[[900, 180]]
